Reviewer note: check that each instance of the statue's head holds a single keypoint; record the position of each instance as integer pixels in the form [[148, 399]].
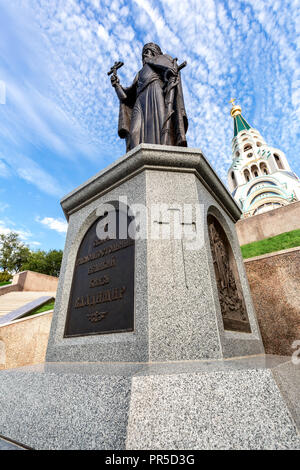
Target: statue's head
[[150, 50]]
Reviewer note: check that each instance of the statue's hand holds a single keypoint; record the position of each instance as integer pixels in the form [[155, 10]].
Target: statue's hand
[[115, 80], [171, 74]]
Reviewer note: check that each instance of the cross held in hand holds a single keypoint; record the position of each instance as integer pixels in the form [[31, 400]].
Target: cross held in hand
[[115, 67]]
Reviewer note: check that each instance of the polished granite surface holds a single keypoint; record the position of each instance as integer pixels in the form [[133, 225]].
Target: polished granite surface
[[242, 403]]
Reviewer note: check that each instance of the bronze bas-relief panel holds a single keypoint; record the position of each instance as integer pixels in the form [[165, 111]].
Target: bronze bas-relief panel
[[231, 297], [102, 293]]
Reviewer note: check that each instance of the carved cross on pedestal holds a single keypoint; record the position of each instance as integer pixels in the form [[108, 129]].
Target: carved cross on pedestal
[[170, 225]]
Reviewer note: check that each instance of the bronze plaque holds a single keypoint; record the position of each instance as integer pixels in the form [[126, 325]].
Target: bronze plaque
[[102, 293]]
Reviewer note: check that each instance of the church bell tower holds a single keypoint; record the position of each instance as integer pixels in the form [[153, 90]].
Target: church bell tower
[[259, 178]]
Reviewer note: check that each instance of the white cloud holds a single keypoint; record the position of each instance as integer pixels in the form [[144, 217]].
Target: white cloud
[[3, 206], [31, 172], [59, 225], [4, 170], [5, 229], [24, 234], [233, 48]]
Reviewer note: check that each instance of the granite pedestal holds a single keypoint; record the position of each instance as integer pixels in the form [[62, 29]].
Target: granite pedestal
[[177, 311], [180, 379], [246, 403]]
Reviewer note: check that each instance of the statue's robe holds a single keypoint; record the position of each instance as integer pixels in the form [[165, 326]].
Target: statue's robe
[[143, 113]]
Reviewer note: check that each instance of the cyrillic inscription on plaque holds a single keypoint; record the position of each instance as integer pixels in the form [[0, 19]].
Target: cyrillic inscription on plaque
[[102, 293]]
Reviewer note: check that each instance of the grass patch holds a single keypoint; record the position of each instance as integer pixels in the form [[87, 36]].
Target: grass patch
[[44, 308], [269, 245], [4, 283]]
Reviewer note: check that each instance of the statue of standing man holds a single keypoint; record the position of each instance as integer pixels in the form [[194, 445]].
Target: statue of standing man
[[152, 108]]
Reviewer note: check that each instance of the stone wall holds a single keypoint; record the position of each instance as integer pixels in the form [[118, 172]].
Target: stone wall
[[9, 288], [269, 224], [24, 342], [275, 286], [32, 281]]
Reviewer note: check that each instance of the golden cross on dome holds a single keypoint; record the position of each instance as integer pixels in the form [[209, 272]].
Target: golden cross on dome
[[236, 109]]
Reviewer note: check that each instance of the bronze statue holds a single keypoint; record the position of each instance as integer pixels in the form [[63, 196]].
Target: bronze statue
[[152, 108]]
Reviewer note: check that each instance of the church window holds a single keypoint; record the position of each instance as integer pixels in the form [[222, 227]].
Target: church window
[[249, 155], [254, 171], [278, 161], [264, 168], [233, 179], [247, 147], [258, 144], [247, 175]]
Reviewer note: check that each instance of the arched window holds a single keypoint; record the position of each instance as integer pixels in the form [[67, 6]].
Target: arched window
[[278, 161], [254, 171], [233, 179], [264, 168], [237, 154], [244, 139], [247, 175], [258, 144], [247, 147], [249, 155]]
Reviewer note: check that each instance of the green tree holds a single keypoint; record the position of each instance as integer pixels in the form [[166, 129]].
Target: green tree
[[15, 257], [44, 262], [53, 261], [36, 261], [13, 253]]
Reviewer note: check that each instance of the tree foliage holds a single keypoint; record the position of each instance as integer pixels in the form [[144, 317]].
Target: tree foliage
[[15, 256], [44, 262], [13, 253]]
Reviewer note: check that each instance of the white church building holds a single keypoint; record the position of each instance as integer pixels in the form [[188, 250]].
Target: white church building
[[259, 178]]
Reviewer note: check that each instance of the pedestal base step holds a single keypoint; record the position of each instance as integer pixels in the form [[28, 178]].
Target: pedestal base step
[[247, 403]]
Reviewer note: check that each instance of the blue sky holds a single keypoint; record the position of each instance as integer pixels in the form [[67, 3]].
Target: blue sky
[[58, 125]]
